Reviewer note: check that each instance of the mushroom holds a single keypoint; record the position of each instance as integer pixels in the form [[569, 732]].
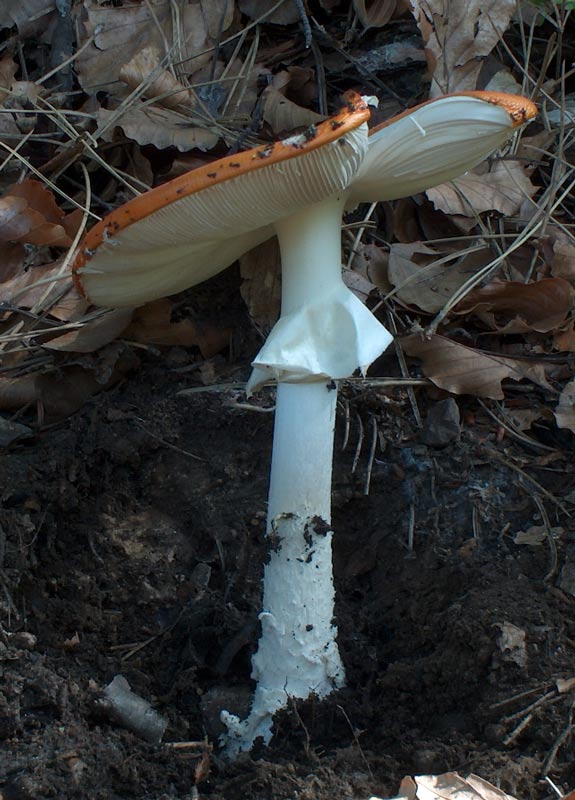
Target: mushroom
[[181, 233]]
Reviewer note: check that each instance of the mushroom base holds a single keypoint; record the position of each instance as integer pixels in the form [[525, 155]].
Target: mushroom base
[[297, 652]]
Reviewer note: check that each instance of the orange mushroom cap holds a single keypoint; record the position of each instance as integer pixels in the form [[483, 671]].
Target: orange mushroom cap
[[136, 213]]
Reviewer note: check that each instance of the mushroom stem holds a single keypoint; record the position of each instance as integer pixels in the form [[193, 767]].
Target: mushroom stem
[[297, 652], [310, 247]]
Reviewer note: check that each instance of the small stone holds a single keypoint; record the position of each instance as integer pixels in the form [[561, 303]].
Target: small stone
[[443, 424], [23, 640]]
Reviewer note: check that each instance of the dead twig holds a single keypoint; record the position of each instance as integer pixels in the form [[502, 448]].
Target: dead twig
[[359, 444], [357, 742], [510, 738], [550, 540], [515, 698], [371, 457], [168, 444], [563, 737], [304, 22]]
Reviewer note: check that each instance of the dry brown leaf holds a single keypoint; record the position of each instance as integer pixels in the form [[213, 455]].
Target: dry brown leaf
[[161, 127], [38, 197], [559, 252], [503, 188], [231, 88], [283, 115], [372, 262], [416, 219], [122, 31], [374, 13], [459, 36], [14, 221], [565, 411], [511, 644], [183, 163], [523, 418], [261, 286], [20, 12], [542, 306], [29, 213], [406, 227], [24, 290], [564, 340], [93, 334], [44, 233], [170, 92], [218, 16], [450, 786], [64, 392], [536, 535], [503, 81], [533, 146], [152, 324], [358, 283], [8, 69], [203, 766], [463, 370], [12, 257], [420, 282], [299, 83], [565, 685]]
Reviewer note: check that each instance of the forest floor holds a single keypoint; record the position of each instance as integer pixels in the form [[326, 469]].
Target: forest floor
[[132, 520], [133, 539]]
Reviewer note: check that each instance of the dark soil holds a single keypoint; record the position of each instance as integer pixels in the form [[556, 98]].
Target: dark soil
[[132, 543]]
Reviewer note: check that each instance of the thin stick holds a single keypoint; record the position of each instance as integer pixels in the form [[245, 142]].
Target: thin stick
[[371, 456], [550, 540], [71, 58], [168, 444], [510, 738], [305, 22], [559, 742], [359, 234], [359, 444], [514, 698], [411, 527], [404, 370], [506, 422], [541, 701], [356, 740], [345, 404]]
